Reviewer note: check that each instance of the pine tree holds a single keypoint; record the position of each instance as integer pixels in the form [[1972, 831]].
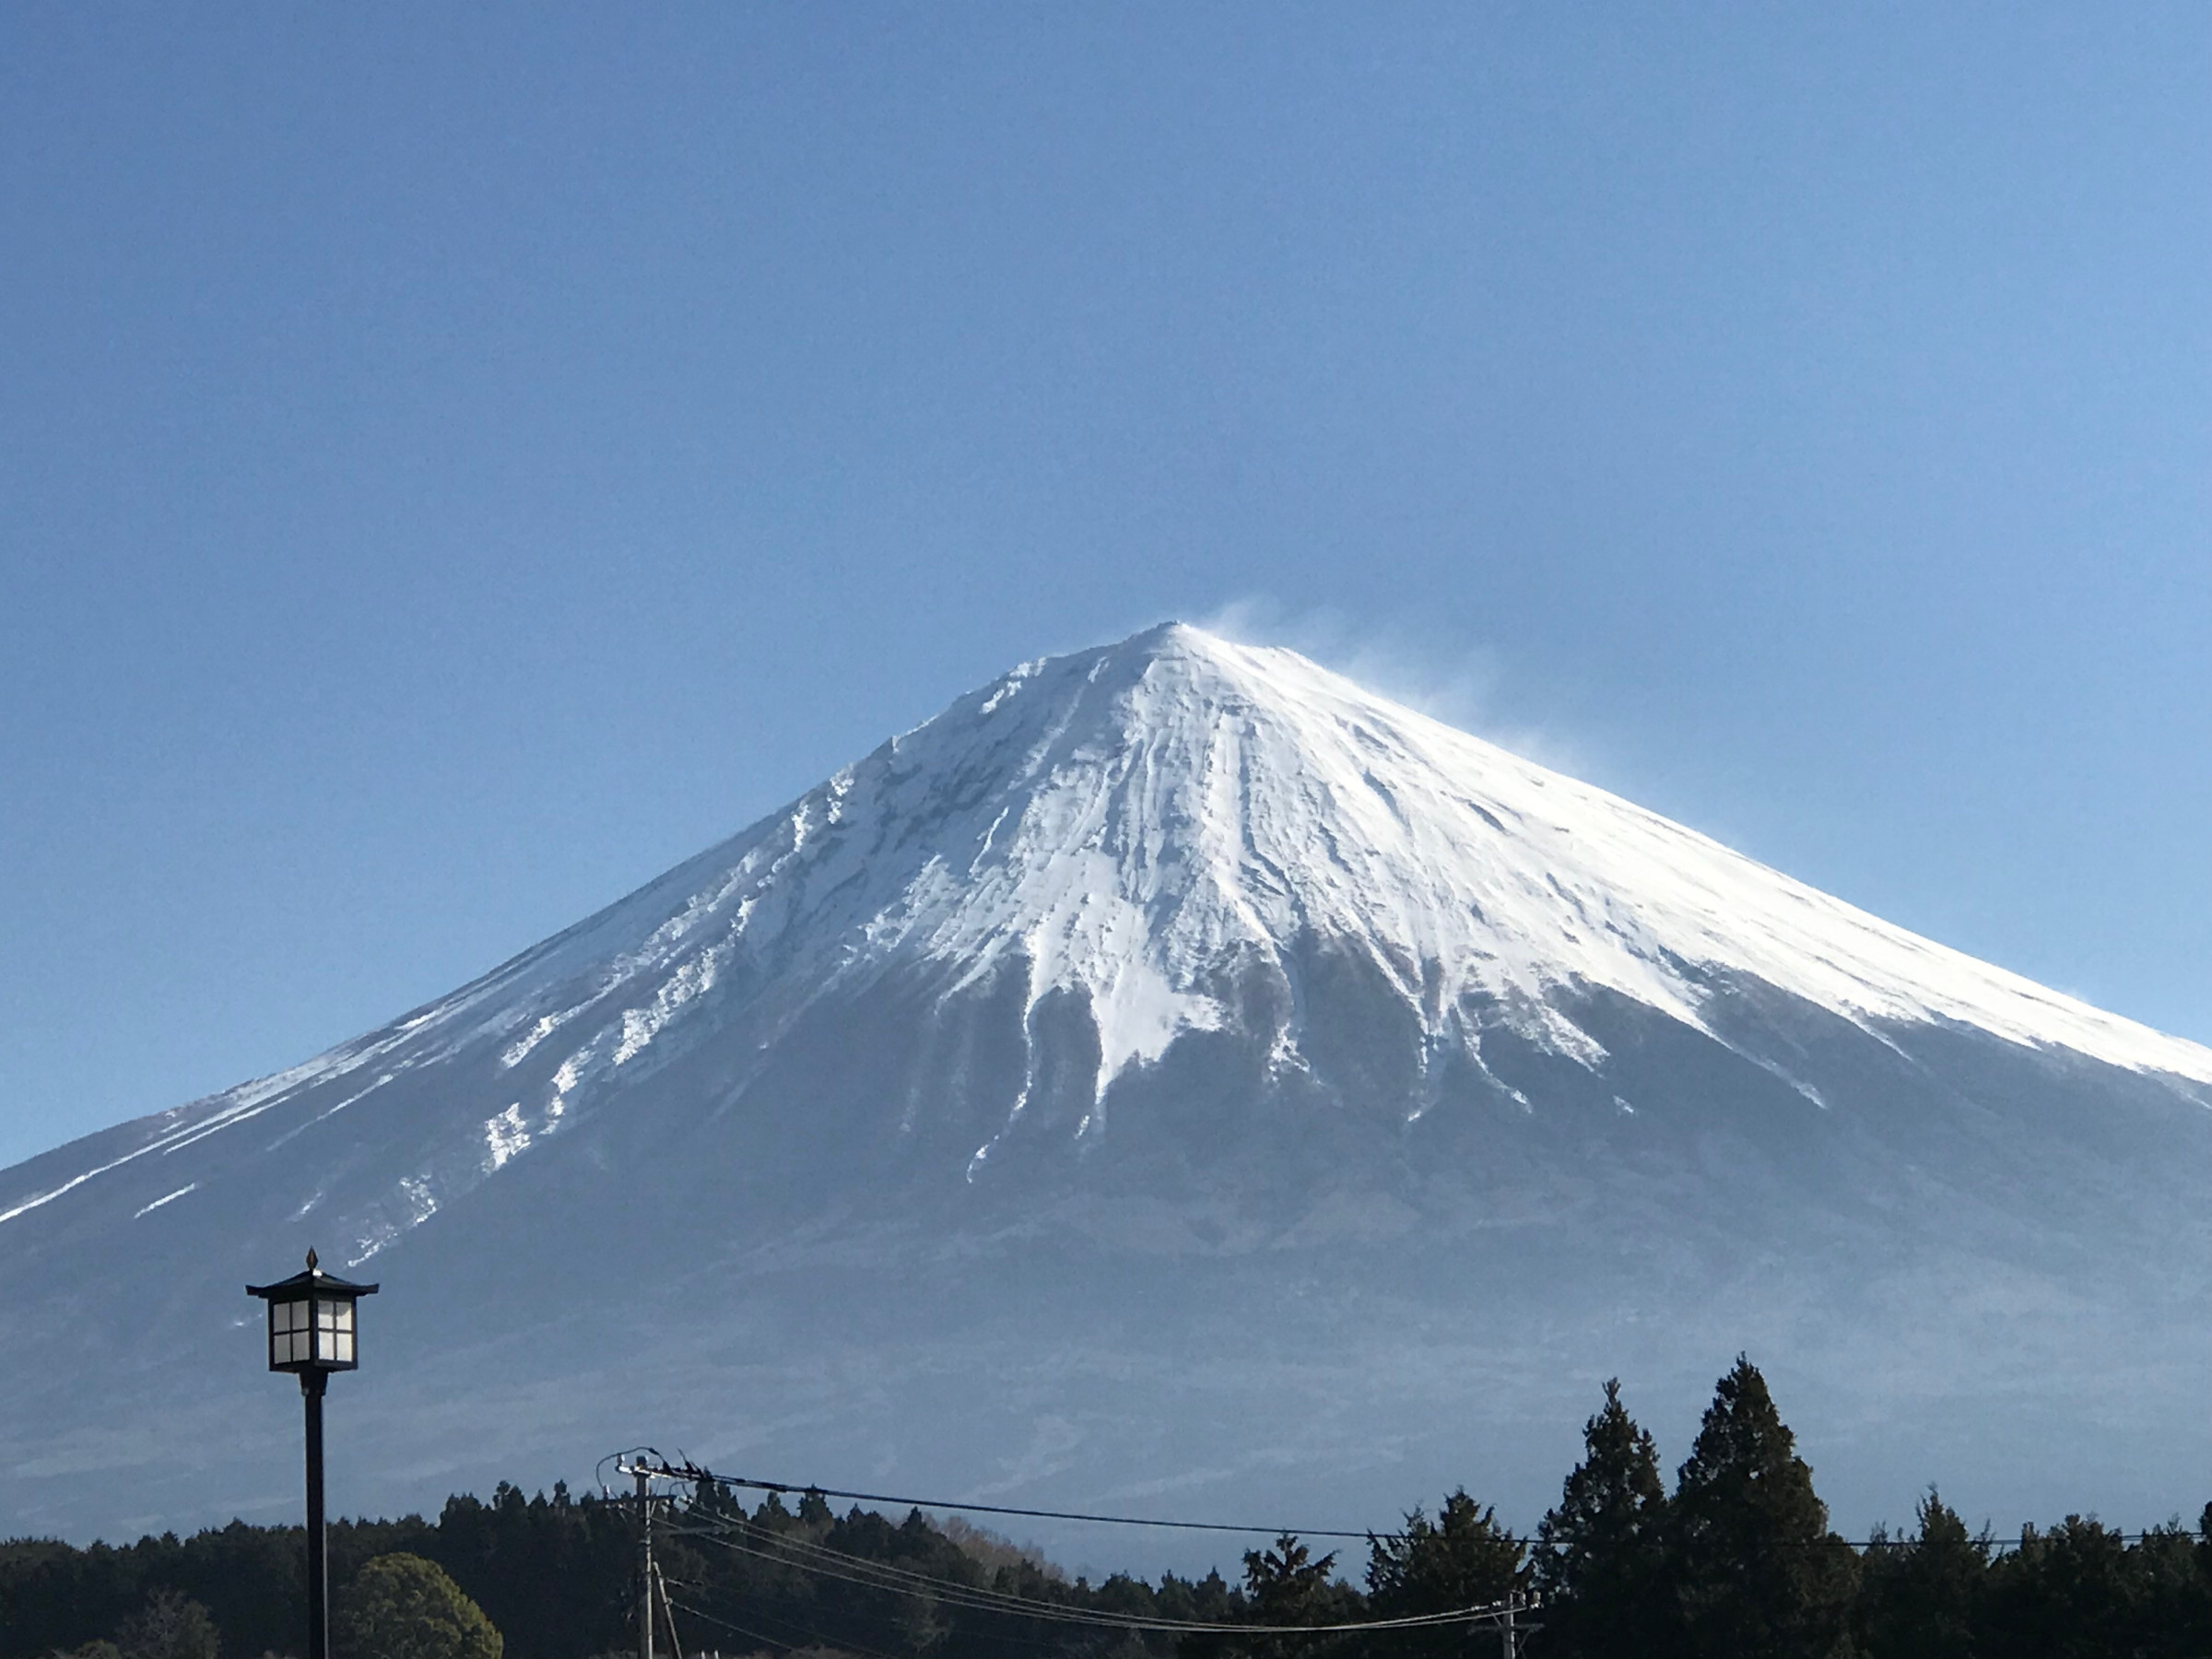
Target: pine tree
[[2173, 1592], [1920, 1598], [1758, 1574], [1289, 1585], [2067, 1592], [1601, 1555], [1463, 1558]]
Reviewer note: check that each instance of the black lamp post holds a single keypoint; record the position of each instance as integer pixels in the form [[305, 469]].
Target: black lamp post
[[312, 1333]]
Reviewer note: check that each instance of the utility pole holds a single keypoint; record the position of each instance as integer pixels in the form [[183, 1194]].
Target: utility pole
[[1509, 1628], [644, 1562]]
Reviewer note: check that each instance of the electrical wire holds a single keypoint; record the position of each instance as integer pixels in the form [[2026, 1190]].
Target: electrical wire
[[882, 1575], [694, 1476], [808, 1556], [753, 1597], [874, 1575], [675, 1642], [806, 1631], [753, 1593], [1031, 1514]]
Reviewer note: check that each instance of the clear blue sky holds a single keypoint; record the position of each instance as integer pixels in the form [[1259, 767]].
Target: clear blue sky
[[457, 462]]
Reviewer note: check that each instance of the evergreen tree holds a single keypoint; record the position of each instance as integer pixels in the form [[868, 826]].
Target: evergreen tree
[[2069, 1593], [1601, 1555], [554, 1575], [2172, 1612], [1289, 1585], [1920, 1598], [1463, 1558], [1758, 1575], [1209, 1598]]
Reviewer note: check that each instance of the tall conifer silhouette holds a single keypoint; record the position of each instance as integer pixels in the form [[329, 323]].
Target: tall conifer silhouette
[[1463, 1558], [1601, 1555], [1921, 1597], [1760, 1576]]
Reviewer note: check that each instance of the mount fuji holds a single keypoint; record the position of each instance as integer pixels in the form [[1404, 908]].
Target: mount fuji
[[1170, 1078]]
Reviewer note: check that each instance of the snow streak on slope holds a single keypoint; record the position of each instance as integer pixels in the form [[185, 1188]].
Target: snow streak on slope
[[1125, 821], [1132, 825]]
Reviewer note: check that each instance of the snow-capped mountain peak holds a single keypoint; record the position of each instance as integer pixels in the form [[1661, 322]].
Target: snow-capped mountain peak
[[1125, 821], [1175, 973], [1140, 827]]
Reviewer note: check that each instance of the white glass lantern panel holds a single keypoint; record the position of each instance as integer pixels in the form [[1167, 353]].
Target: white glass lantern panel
[[345, 1353]]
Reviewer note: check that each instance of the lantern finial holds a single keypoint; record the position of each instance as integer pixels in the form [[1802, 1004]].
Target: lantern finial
[[310, 1259]]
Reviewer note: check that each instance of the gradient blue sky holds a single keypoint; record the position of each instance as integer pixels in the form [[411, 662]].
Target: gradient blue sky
[[457, 462]]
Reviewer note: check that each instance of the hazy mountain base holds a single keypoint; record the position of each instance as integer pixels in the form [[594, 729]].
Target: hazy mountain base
[[1243, 1284]]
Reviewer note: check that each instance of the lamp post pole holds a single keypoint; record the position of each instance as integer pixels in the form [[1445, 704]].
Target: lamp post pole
[[312, 1333], [312, 1384]]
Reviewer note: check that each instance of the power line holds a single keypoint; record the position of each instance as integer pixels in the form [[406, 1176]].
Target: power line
[[692, 1472], [882, 1575], [754, 1596], [925, 1587], [751, 1484], [804, 1631], [808, 1556]]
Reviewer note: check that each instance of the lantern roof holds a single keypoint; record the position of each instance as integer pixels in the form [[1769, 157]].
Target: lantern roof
[[312, 1282]]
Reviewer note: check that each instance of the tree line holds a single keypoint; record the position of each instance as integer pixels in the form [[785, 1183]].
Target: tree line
[[1737, 1561]]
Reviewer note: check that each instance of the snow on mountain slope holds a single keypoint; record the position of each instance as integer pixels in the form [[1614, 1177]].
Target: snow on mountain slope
[[1121, 823], [1088, 1060], [1127, 818]]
